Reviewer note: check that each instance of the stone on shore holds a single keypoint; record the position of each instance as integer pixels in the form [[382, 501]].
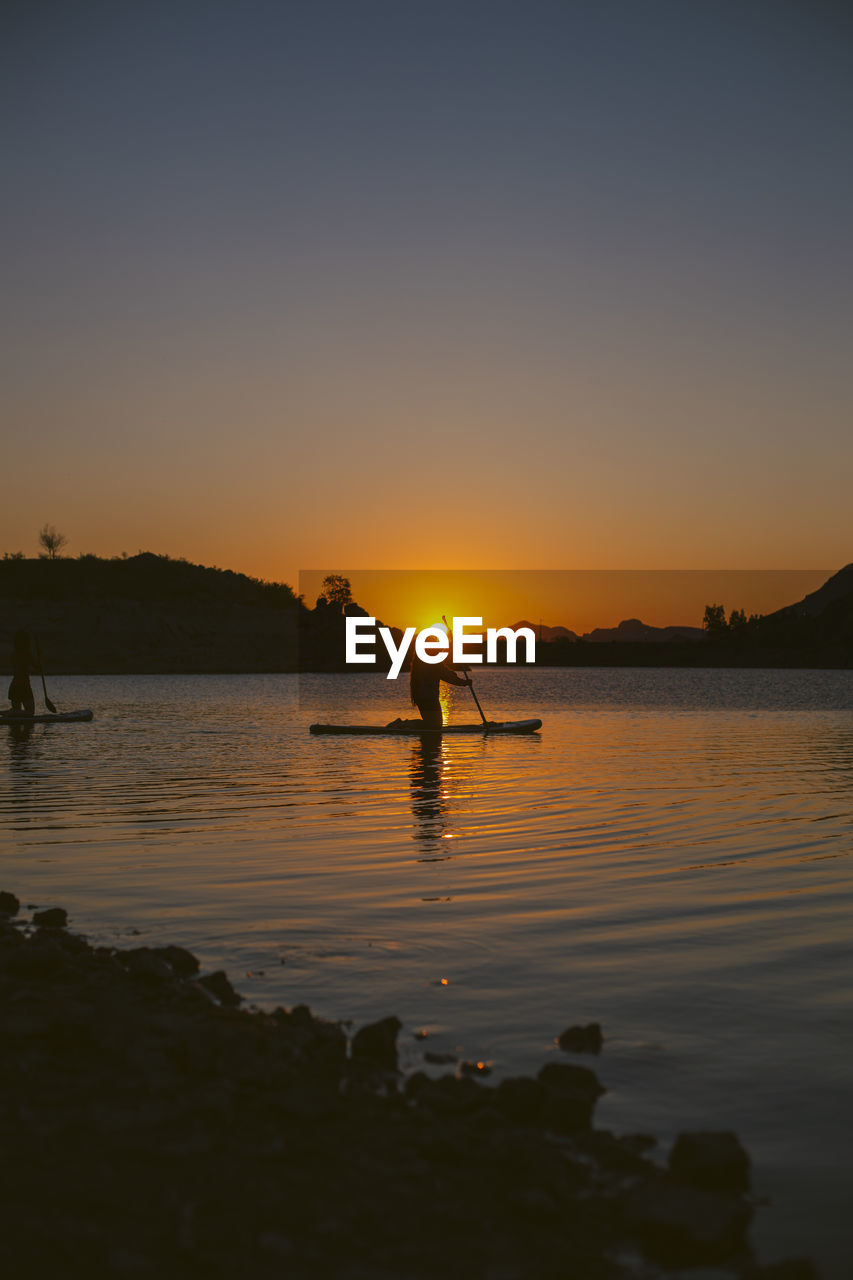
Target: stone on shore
[[579, 1039], [711, 1160], [570, 1095], [9, 904], [52, 918], [686, 1226], [218, 985], [377, 1043], [151, 1129]]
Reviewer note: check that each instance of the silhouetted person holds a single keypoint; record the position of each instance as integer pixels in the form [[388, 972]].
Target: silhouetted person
[[23, 666], [424, 682]]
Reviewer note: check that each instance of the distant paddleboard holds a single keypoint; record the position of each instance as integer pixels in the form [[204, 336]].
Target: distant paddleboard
[[414, 729], [45, 717]]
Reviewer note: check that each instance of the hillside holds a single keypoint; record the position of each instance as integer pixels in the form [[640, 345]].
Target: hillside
[[837, 588], [148, 613]]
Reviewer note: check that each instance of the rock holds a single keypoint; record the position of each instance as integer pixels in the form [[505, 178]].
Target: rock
[[684, 1226], [218, 985], [142, 962], [439, 1059], [182, 962], [9, 904], [40, 958], [9, 936], [521, 1099], [616, 1155], [570, 1095], [586, 1039], [715, 1161], [324, 1045], [449, 1095], [53, 918], [377, 1043]]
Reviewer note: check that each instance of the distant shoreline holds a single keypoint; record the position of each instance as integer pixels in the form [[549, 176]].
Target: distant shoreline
[[606, 662], [151, 615]]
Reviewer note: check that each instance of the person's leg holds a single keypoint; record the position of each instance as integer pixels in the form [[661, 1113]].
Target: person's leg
[[22, 698], [431, 713]]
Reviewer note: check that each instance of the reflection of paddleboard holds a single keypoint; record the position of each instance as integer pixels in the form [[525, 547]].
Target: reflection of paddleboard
[[412, 728], [46, 717]]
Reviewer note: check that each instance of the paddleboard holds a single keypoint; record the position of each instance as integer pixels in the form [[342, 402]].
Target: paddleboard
[[412, 729], [45, 717]]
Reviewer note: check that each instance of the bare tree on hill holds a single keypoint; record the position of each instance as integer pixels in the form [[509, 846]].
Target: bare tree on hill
[[52, 541]]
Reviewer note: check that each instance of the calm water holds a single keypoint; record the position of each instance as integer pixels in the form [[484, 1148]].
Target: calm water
[[670, 857]]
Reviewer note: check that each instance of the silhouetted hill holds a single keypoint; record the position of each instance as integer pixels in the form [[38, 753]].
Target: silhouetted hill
[[633, 631], [546, 634], [814, 632], [838, 587], [148, 613]]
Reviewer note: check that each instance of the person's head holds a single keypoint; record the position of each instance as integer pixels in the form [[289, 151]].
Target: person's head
[[21, 642]]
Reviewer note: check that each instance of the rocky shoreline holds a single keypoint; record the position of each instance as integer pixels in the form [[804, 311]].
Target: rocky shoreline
[[153, 1127]]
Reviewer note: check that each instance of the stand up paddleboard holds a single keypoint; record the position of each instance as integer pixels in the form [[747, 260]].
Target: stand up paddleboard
[[412, 729], [46, 717]]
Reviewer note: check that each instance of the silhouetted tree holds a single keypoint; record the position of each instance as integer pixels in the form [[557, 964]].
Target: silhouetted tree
[[337, 592], [737, 621], [714, 621], [52, 541]]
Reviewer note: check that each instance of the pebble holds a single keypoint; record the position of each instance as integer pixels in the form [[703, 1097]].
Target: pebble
[[52, 918], [578, 1039], [377, 1043], [9, 904], [712, 1160]]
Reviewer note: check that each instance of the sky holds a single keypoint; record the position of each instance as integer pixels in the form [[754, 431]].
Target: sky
[[408, 283], [580, 599]]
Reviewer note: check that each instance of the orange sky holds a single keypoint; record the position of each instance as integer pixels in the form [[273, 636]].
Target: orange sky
[[569, 287], [579, 600]]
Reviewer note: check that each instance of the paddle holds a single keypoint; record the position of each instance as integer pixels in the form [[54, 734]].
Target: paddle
[[47, 702], [477, 700]]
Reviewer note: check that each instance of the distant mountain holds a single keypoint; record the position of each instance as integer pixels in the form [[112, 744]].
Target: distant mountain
[[546, 634], [630, 631], [633, 631], [838, 587]]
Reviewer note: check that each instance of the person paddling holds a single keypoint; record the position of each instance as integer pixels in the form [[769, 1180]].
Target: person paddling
[[424, 683], [23, 666]]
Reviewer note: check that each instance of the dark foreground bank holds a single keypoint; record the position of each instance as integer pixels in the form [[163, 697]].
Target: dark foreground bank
[[153, 1128]]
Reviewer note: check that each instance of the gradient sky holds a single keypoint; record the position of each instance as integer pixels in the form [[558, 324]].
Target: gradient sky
[[408, 284], [580, 599]]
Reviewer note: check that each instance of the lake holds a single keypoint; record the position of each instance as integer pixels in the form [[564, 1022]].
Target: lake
[[670, 857]]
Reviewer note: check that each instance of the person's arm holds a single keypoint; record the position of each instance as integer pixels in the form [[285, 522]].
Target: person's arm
[[449, 675]]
